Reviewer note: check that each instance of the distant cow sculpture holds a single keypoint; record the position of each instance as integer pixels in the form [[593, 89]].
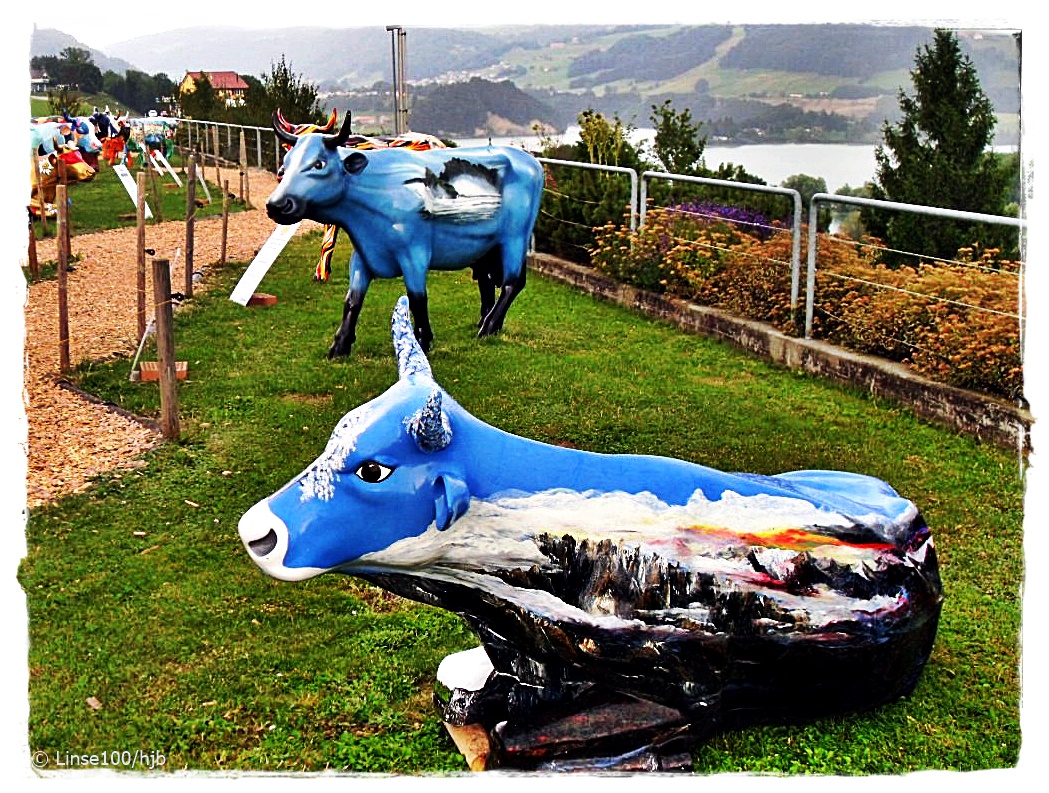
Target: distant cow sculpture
[[689, 598], [408, 212], [66, 165], [411, 140]]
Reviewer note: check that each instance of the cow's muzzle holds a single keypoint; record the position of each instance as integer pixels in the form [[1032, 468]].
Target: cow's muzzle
[[265, 536], [285, 211]]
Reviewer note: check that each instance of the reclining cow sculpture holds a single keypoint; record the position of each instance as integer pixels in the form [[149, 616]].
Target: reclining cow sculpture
[[707, 599], [408, 212]]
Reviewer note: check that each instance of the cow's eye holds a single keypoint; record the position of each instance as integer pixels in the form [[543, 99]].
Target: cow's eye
[[318, 165], [373, 472]]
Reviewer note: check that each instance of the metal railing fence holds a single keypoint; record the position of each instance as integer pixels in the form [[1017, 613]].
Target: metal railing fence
[[207, 137], [794, 195], [952, 214]]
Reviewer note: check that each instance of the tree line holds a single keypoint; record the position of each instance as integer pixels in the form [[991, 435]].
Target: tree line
[[76, 78]]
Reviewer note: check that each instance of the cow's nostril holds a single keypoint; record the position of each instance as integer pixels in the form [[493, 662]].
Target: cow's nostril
[[265, 544]]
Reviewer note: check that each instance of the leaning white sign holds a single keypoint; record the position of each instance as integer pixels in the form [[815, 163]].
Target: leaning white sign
[[129, 184], [164, 161], [252, 277]]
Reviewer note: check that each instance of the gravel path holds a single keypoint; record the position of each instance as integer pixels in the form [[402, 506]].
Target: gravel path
[[72, 439]]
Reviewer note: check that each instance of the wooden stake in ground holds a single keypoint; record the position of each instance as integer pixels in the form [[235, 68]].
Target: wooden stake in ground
[[39, 193], [191, 214], [169, 423], [140, 270], [63, 264], [225, 220], [34, 261]]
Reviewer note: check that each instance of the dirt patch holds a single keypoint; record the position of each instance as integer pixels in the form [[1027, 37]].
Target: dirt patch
[[70, 438]]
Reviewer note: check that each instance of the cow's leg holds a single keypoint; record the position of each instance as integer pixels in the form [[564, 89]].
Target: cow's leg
[[420, 313], [351, 309], [487, 271], [415, 284], [513, 268]]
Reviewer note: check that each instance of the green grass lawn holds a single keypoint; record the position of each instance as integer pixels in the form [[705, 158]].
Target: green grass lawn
[[104, 203], [141, 596]]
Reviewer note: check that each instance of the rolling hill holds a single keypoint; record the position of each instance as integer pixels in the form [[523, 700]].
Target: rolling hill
[[732, 76]]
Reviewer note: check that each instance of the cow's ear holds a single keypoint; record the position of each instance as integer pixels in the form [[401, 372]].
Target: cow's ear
[[451, 500], [355, 162]]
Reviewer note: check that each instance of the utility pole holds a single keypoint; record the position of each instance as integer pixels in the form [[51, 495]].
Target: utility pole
[[400, 92]]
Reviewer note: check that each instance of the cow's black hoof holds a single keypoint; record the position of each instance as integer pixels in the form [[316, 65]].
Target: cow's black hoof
[[338, 351]]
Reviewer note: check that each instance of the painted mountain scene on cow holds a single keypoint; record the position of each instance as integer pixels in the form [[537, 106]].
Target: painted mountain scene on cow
[[627, 605]]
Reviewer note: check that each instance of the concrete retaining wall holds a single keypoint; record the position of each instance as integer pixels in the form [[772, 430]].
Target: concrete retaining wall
[[985, 417]]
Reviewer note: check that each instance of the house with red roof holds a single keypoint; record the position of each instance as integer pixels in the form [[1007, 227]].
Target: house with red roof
[[228, 85]]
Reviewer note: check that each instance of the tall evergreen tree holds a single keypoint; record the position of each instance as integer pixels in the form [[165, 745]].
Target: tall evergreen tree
[[937, 155]]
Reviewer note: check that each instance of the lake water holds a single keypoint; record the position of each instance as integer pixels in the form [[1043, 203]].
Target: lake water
[[838, 164]]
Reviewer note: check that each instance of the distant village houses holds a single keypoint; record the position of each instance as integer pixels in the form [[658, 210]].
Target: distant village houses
[[38, 81], [228, 86]]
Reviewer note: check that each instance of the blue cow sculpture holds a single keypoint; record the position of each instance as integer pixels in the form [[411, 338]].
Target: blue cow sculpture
[[408, 212], [46, 137], [720, 599]]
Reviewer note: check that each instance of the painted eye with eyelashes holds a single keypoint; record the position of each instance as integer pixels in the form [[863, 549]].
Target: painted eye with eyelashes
[[372, 472]]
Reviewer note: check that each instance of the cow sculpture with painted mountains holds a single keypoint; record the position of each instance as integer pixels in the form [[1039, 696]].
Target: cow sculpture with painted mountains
[[691, 598], [408, 212]]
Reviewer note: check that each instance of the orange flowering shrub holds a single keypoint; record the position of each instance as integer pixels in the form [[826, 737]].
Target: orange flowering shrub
[[954, 322]]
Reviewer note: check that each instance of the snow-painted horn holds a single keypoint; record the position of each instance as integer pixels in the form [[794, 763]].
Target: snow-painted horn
[[283, 135], [411, 360], [334, 141], [429, 427]]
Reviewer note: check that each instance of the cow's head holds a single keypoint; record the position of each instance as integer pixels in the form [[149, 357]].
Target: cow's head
[[388, 472], [313, 173]]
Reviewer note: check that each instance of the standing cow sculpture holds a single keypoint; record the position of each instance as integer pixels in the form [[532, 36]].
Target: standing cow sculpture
[[675, 597], [411, 140], [408, 212]]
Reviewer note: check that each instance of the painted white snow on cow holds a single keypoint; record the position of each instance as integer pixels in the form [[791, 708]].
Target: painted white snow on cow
[[318, 481]]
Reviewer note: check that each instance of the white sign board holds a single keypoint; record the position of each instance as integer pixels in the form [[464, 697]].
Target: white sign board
[[164, 161], [262, 262], [129, 184], [203, 183]]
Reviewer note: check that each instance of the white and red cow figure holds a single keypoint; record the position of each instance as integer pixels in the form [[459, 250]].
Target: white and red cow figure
[[66, 164], [698, 598]]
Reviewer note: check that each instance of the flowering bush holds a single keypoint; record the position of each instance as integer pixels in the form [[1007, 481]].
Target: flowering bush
[[954, 322]]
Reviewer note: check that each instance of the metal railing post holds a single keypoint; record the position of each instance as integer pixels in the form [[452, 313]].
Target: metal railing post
[[611, 169], [795, 256], [953, 214]]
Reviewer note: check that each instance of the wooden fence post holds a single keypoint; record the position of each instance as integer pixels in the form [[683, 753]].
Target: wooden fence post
[[39, 193], [140, 270], [63, 302], [169, 424], [191, 214], [225, 219], [34, 260]]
